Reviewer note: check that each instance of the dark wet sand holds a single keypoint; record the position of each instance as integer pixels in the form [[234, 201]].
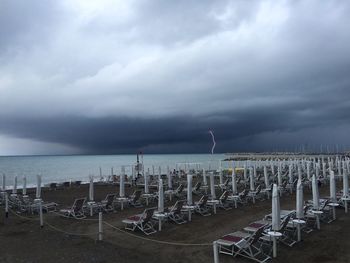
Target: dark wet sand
[[22, 240]]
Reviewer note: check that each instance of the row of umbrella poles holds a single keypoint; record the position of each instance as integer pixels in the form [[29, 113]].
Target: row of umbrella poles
[[24, 186], [299, 220]]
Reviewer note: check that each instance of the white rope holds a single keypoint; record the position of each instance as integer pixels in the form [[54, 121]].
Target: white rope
[[157, 241]]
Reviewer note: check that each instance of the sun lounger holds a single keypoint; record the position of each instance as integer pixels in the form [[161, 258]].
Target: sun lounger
[[135, 199], [142, 222], [77, 209], [107, 205], [243, 244], [175, 213], [202, 206]]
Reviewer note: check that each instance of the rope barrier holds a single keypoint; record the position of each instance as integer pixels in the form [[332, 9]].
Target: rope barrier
[[53, 227], [23, 217], [157, 241], [69, 233], [65, 216]]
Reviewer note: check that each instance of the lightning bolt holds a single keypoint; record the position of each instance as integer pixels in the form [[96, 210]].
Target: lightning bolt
[[214, 143]]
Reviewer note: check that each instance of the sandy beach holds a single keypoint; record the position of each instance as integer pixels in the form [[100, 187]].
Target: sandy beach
[[70, 240]]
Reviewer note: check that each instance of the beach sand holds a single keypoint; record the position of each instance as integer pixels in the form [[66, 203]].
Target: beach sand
[[22, 240]]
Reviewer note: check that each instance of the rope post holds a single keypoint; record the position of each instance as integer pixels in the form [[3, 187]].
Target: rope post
[[216, 252], [100, 229], [6, 205], [41, 213]]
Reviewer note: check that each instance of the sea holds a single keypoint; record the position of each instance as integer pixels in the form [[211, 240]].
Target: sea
[[81, 167]]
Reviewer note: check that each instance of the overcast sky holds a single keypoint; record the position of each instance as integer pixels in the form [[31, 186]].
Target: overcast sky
[[117, 76]]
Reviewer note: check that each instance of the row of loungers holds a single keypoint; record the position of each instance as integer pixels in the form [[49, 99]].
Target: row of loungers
[[255, 241]]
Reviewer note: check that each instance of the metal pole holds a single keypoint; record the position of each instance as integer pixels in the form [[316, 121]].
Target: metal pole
[[41, 214], [6, 205], [100, 230], [216, 252]]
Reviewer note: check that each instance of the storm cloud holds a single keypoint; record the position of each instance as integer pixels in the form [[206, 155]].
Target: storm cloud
[[117, 77]]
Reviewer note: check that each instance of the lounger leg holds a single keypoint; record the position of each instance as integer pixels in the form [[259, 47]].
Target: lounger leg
[[299, 232], [274, 241], [318, 222], [216, 252], [346, 205]]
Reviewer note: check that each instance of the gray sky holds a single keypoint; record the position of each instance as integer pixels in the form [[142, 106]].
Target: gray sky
[[118, 76]]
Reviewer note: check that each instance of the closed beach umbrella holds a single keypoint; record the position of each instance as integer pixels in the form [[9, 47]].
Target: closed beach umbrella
[[308, 170], [276, 212], [159, 173], [300, 200], [24, 190], [251, 179], [272, 169], [170, 181], [279, 177], [324, 169], [345, 184], [315, 194], [14, 190], [221, 179], [189, 189], [234, 182], [332, 187], [146, 182], [212, 186], [245, 173], [160, 196], [3, 182], [121, 182], [38, 186], [91, 189], [290, 174], [266, 178], [204, 177]]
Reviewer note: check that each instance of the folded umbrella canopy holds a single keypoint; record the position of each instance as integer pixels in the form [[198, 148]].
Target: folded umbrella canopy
[[189, 189], [121, 182], [332, 187], [315, 194], [300, 200], [266, 178], [160, 196], [345, 183], [91, 189], [212, 186], [38, 187], [276, 210], [234, 182]]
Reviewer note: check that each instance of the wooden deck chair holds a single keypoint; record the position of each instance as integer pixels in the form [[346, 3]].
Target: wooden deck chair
[[175, 213], [202, 207], [77, 209], [142, 222], [135, 199]]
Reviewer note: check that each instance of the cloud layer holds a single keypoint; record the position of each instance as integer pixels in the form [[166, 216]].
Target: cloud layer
[[118, 76]]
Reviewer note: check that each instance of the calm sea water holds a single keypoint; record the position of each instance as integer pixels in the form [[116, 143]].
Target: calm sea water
[[80, 167]]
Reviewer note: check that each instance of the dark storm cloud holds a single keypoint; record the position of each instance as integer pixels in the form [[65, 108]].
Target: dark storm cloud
[[119, 76]]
